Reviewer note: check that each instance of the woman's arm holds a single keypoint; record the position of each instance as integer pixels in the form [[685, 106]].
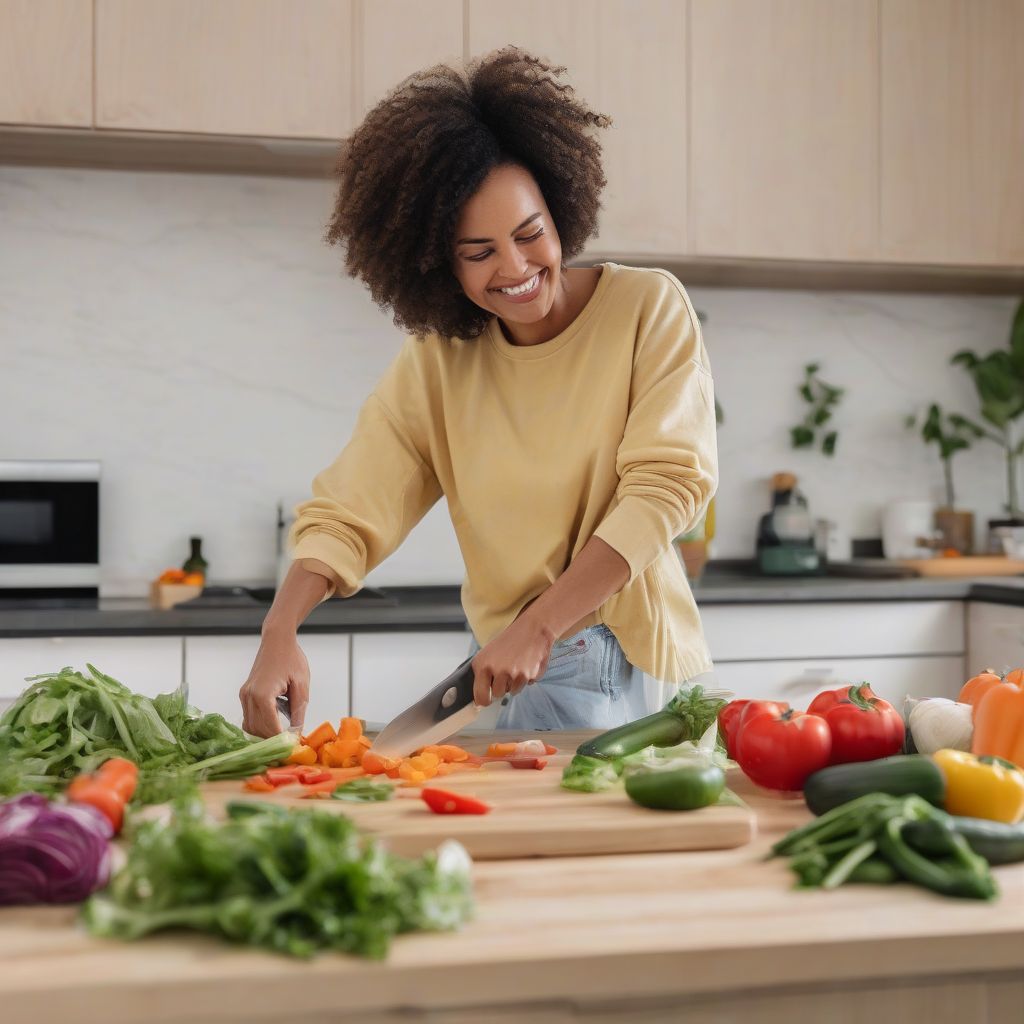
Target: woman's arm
[[519, 654], [280, 667]]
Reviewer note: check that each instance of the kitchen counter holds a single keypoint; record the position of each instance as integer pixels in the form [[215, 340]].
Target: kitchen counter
[[716, 936], [418, 609]]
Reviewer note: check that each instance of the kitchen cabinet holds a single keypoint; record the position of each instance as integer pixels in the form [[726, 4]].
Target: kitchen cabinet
[[952, 130], [146, 664], [234, 67], [46, 62], [995, 637], [784, 129], [792, 651], [398, 37], [642, 86], [390, 671], [217, 666]]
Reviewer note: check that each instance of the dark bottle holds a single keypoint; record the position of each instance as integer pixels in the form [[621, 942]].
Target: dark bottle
[[195, 561]]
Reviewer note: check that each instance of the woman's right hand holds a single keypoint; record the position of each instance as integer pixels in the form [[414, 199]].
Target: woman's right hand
[[280, 669]]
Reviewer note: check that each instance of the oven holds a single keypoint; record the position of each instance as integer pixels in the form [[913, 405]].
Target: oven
[[49, 529]]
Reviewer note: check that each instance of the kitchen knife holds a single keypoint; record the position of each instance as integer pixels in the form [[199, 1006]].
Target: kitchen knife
[[446, 709]]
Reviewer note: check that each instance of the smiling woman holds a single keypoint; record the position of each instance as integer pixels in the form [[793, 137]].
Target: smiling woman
[[566, 415]]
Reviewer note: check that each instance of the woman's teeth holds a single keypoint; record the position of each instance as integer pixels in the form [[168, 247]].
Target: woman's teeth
[[524, 288]]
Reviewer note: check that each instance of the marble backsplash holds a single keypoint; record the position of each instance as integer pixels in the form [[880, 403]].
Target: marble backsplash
[[195, 334]]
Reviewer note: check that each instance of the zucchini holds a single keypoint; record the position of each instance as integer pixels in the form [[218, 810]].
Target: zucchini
[[996, 841], [676, 789], [899, 775], [662, 729]]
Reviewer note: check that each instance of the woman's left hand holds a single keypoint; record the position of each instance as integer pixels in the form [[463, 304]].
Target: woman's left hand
[[515, 658]]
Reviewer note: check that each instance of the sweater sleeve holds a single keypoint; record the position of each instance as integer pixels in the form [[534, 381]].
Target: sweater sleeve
[[667, 461], [368, 500]]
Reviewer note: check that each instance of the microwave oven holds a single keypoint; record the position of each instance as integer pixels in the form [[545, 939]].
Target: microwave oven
[[49, 528]]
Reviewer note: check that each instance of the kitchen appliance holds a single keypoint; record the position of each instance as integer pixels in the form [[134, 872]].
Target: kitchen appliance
[[785, 535], [49, 529], [908, 530], [446, 709]]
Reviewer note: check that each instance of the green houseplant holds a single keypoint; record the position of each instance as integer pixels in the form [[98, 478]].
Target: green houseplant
[[999, 381], [822, 399]]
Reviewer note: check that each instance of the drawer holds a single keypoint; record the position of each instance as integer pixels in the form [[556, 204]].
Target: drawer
[[799, 681], [839, 629], [995, 637], [146, 664]]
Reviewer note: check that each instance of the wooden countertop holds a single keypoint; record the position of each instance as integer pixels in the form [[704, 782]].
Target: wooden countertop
[[630, 938]]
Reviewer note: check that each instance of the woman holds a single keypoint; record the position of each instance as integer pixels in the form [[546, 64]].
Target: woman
[[567, 416]]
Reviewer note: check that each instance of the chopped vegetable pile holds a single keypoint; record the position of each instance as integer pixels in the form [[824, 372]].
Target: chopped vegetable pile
[[292, 881], [67, 723]]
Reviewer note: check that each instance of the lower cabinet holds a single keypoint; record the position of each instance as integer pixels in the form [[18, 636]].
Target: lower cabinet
[[217, 666], [390, 671], [146, 664], [995, 637]]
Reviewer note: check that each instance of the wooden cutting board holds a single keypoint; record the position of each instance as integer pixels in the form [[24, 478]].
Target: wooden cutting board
[[532, 817], [966, 565]]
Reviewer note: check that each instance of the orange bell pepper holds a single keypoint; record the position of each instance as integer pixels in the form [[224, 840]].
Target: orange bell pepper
[[375, 764], [501, 749], [999, 724], [350, 728], [977, 686], [322, 734], [258, 784], [318, 789], [302, 755], [410, 773], [447, 752]]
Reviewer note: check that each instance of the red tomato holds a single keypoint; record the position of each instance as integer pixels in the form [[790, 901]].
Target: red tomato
[[779, 750], [732, 717], [864, 727]]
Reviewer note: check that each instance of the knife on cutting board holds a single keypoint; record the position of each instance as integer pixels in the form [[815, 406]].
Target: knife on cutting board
[[445, 709]]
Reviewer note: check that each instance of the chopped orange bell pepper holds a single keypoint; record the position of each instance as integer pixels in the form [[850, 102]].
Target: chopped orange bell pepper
[[322, 734], [258, 784], [501, 749], [447, 752], [410, 773], [350, 729], [318, 789], [302, 755], [376, 764]]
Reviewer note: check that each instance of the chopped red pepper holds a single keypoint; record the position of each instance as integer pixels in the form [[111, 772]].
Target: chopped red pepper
[[282, 776], [443, 801], [528, 762]]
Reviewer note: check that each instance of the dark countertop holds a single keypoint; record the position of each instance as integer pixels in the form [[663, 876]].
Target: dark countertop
[[438, 608]]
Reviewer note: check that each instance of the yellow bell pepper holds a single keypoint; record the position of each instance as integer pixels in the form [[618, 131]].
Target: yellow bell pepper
[[981, 789]]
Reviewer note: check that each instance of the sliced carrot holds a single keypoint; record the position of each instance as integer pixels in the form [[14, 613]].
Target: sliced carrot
[[346, 774], [258, 784], [322, 734], [302, 754], [318, 789]]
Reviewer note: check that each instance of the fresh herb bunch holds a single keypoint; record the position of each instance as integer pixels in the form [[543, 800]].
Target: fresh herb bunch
[[822, 399], [67, 723], [295, 882], [952, 433]]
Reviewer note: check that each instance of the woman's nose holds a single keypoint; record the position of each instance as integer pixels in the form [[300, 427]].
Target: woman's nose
[[512, 265]]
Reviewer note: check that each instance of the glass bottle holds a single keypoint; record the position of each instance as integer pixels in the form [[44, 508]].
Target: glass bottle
[[195, 561]]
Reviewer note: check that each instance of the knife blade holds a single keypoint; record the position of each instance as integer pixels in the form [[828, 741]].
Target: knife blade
[[444, 710]]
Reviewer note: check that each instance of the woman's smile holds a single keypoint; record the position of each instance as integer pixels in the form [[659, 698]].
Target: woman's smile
[[525, 292]]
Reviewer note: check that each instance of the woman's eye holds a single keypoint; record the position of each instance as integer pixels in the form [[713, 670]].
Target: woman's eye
[[484, 255]]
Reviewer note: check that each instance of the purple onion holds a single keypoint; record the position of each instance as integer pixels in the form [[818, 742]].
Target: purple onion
[[51, 853]]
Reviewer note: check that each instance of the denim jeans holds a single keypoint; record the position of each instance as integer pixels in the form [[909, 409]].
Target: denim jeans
[[588, 684]]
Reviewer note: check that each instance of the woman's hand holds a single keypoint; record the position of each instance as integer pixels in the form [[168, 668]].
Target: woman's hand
[[280, 669], [515, 658]]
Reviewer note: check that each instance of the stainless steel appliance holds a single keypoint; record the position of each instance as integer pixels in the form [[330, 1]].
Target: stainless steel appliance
[[49, 529]]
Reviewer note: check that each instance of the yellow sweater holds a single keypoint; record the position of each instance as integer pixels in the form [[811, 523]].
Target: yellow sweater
[[608, 429]]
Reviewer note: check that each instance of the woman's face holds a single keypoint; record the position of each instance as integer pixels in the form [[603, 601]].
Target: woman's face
[[505, 237]]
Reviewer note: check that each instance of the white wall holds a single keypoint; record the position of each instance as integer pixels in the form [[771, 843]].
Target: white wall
[[195, 334]]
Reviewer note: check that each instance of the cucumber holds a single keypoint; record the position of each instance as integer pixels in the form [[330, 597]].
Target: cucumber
[[899, 775], [996, 841], [676, 789], [662, 729]]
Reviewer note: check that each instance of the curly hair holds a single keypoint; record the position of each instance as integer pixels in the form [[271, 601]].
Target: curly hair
[[425, 149]]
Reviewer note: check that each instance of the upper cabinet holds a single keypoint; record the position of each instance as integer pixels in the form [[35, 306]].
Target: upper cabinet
[[627, 60], [398, 37], [953, 131], [46, 62], [783, 128], [237, 67]]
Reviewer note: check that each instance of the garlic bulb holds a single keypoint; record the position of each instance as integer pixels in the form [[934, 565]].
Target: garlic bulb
[[939, 724]]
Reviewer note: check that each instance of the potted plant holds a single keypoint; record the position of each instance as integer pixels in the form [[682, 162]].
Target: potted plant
[[999, 381], [952, 433], [822, 399]]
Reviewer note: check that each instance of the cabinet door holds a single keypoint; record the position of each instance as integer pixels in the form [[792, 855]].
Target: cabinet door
[[234, 67], [953, 131], [784, 128], [628, 61], [995, 637], [217, 666], [390, 671], [46, 62], [146, 664], [398, 37], [799, 681]]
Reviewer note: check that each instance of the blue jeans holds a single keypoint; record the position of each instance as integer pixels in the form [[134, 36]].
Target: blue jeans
[[588, 684]]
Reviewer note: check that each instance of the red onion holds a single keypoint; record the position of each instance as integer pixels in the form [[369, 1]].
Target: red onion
[[51, 853]]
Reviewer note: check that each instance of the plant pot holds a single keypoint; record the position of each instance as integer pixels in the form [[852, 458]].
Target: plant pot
[[957, 529]]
